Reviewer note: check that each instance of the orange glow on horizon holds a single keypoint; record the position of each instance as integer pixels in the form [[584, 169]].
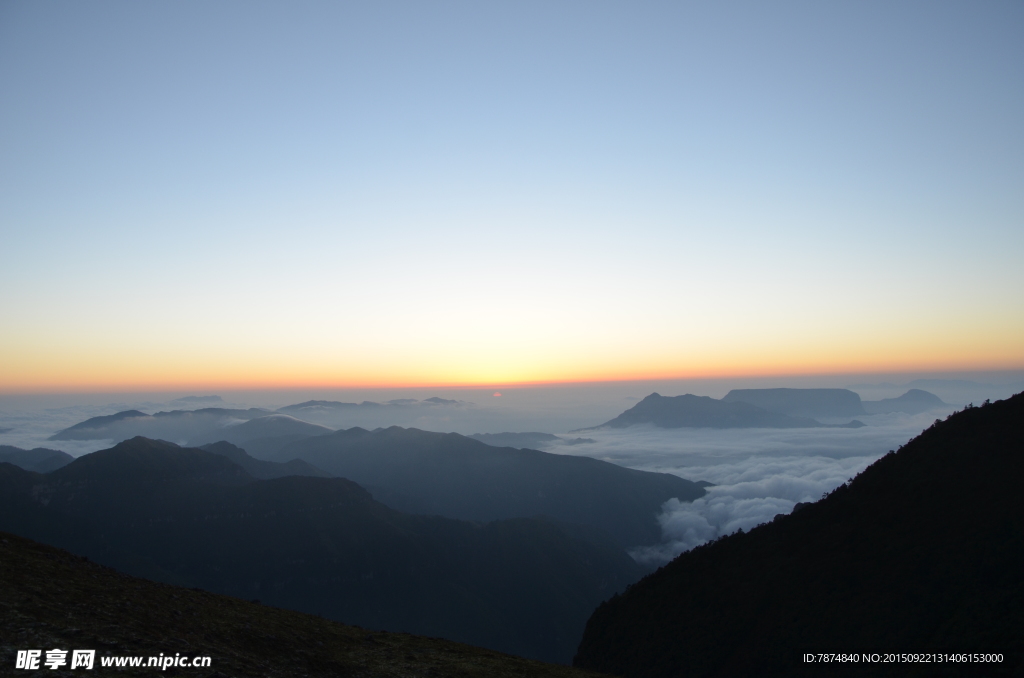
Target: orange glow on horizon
[[85, 383]]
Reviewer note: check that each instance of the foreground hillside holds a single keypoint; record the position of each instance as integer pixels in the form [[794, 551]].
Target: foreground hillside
[[319, 545], [50, 598], [922, 552]]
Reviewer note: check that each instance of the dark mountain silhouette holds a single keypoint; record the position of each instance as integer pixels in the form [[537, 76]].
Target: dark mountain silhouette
[[440, 401], [53, 599], [40, 459], [690, 411], [264, 470], [913, 401], [800, 402], [451, 475], [263, 437], [921, 552], [188, 425], [199, 399], [319, 545]]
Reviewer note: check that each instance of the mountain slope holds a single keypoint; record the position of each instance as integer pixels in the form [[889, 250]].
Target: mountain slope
[[40, 459], [452, 475], [319, 545], [526, 441], [690, 411], [264, 470], [50, 598], [921, 552]]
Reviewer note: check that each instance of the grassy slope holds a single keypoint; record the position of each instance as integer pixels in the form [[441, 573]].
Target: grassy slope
[[50, 598]]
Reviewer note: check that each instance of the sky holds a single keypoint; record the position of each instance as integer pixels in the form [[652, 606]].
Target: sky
[[242, 195]]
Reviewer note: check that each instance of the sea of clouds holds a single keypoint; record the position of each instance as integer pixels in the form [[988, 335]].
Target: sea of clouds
[[757, 473]]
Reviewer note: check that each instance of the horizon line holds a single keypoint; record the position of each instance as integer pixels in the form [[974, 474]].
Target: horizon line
[[313, 386]]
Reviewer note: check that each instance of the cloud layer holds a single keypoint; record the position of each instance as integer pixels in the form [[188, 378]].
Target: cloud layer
[[757, 473]]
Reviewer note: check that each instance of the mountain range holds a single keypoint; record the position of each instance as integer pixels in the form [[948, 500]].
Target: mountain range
[[921, 552], [320, 545], [766, 408], [455, 476], [263, 432]]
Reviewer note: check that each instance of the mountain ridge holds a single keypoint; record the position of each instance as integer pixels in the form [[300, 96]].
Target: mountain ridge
[[455, 476]]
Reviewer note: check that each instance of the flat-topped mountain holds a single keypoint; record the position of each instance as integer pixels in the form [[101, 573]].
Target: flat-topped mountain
[[451, 475], [913, 401], [800, 402], [318, 545], [920, 553], [691, 411], [40, 459], [54, 599]]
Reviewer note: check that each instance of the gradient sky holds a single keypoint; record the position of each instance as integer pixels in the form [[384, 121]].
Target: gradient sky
[[383, 193]]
